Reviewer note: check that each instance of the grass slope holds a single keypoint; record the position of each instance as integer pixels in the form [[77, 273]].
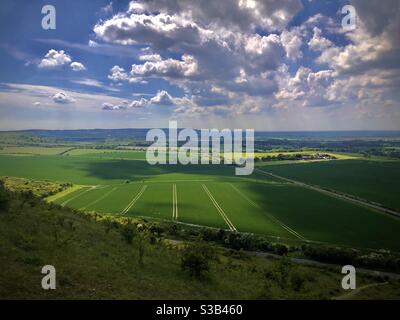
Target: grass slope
[[93, 262]]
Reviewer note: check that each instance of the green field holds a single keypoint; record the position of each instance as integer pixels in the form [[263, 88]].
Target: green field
[[376, 181], [210, 195]]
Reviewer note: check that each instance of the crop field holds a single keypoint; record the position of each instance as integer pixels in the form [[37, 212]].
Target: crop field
[[376, 181], [211, 195]]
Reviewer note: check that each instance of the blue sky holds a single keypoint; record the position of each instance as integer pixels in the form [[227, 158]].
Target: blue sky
[[262, 64]]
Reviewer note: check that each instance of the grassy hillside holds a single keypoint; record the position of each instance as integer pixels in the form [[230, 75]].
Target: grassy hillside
[[100, 259]]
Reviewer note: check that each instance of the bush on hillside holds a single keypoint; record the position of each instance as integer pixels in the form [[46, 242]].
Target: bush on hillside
[[195, 261]]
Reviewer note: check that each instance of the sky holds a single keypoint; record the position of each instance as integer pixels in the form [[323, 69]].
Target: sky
[[274, 65]]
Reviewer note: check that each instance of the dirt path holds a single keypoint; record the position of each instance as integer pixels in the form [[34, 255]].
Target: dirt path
[[352, 293]]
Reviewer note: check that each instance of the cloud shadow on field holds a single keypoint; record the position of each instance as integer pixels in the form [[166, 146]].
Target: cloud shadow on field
[[132, 170]]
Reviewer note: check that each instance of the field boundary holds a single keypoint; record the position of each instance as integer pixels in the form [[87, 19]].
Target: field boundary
[[220, 210], [132, 203]]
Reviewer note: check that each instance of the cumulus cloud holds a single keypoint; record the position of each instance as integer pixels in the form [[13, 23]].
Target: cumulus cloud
[[118, 74], [241, 15], [62, 98], [234, 54], [191, 36], [292, 42], [161, 98], [77, 66], [54, 59], [150, 57], [141, 103], [169, 68], [306, 86], [115, 107], [374, 44], [318, 42]]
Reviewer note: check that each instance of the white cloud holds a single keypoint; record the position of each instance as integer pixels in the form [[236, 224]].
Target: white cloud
[[93, 44], [150, 57], [62, 98], [241, 15], [77, 66], [118, 74], [54, 59], [162, 98], [115, 107], [141, 103], [318, 42], [108, 9], [95, 83], [292, 41], [234, 53], [168, 68], [307, 87]]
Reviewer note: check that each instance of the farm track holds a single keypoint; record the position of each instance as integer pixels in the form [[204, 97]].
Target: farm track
[[219, 209], [360, 202], [353, 293], [136, 198]]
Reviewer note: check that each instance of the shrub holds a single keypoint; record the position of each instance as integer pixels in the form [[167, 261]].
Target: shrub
[[297, 280], [128, 233], [194, 262]]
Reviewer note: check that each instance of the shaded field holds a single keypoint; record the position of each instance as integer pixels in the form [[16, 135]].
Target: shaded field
[[377, 181], [93, 171]]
